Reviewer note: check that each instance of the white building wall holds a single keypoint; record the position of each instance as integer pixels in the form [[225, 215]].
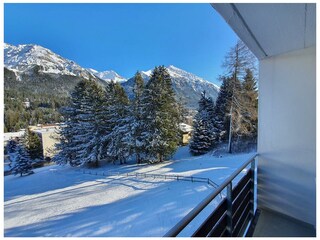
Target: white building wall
[[287, 134]]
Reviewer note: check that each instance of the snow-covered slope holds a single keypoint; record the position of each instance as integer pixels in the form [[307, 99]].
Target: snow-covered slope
[[188, 87], [108, 75], [60, 201], [24, 58]]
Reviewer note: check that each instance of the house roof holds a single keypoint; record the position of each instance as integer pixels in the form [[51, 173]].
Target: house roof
[[270, 29], [185, 127]]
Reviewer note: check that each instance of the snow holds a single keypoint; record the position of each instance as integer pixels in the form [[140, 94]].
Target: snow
[[61, 201], [11, 135], [108, 75], [193, 79], [185, 127], [184, 76], [22, 58]]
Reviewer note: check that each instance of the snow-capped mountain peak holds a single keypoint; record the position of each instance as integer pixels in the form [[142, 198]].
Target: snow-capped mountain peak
[[107, 75], [23, 58], [146, 74], [179, 73], [188, 87]]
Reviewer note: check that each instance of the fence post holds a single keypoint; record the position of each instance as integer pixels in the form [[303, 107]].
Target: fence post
[[229, 209]]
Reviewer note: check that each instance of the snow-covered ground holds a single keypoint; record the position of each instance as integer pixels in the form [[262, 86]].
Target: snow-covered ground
[[62, 201]]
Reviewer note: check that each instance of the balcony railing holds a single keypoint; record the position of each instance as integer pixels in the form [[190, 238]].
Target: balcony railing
[[234, 213]]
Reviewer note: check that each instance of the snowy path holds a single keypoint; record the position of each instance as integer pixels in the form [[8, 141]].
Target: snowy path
[[58, 201]]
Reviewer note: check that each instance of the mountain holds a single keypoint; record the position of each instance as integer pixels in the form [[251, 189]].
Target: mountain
[[23, 58], [188, 87], [40, 77], [37, 68], [44, 79], [107, 75]]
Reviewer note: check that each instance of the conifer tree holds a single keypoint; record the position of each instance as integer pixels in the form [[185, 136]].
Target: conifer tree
[[33, 145], [120, 139], [203, 136], [160, 116], [11, 146], [22, 163], [222, 108], [121, 143], [137, 124], [108, 123], [65, 132], [81, 134], [96, 103], [250, 109], [237, 60]]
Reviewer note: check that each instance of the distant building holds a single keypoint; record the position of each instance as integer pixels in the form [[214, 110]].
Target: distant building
[[10, 136], [26, 104], [186, 132], [49, 137], [13, 135]]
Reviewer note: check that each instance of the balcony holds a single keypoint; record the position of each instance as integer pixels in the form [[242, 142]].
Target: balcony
[[278, 197], [273, 224], [237, 214], [235, 210]]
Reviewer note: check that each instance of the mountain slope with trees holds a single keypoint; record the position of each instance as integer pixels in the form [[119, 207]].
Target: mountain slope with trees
[[187, 86], [45, 80]]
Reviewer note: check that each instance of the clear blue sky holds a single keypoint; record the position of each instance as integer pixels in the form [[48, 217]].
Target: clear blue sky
[[125, 37]]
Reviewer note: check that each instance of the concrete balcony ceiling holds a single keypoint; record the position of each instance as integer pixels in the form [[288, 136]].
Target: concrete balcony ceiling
[[272, 29]]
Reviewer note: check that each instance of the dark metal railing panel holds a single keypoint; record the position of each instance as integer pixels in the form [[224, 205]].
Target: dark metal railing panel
[[229, 209], [241, 197], [229, 214], [242, 219], [213, 218], [240, 210], [244, 180], [219, 228], [224, 234], [246, 223]]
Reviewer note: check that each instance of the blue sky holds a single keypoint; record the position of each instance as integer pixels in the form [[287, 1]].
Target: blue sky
[[125, 37]]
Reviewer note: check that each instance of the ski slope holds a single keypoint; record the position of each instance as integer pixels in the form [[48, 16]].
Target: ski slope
[[60, 201]]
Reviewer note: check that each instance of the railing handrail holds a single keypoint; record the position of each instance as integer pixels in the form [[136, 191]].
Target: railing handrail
[[194, 212]]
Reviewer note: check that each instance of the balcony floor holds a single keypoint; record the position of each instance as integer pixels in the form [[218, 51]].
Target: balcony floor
[[271, 224]]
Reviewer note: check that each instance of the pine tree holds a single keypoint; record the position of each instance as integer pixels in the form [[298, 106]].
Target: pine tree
[[81, 123], [64, 146], [203, 136], [137, 123], [122, 141], [160, 116], [107, 120], [11, 146], [250, 109], [237, 60], [222, 108], [97, 119], [23, 163], [33, 145], [81, 133], [119, 145]]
